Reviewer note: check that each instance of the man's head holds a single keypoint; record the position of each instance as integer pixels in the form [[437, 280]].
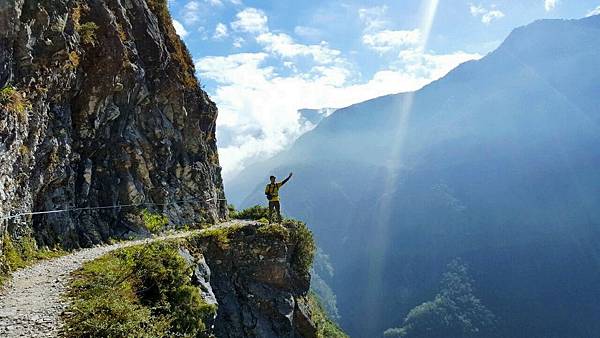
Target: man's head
[[272, 178]]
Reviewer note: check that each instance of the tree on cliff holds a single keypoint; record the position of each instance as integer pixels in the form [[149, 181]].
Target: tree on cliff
[[455, 311]]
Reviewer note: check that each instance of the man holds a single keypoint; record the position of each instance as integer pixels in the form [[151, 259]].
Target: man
[[272, 193]]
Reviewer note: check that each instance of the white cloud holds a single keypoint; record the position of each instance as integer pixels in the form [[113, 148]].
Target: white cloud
[[250, 20], [550, 4], [491, 16], [595, 11], [388, 40], [238, 42], [255, 21], [202, 33], [223, 69], [215, 2], [487, 15], [258, 106], [191, 12], [284, 46], [477, 10], [181, 31], [307, 32], [220, 31], [373, 18], [259, 94]]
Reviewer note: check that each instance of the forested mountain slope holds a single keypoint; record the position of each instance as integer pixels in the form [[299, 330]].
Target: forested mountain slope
[[496, 163]]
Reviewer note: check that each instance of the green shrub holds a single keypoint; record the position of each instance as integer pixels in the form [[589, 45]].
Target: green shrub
[[220, 235], [256, 212], [154, 222], [230, 209], [12, 256], [105, 303], [304, 253], [276, 230], [326, 328], [17, 254], [87, 32], [13, 100], [141, 291]]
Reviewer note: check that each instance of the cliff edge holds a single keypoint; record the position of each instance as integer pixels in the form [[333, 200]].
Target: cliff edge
[[99, 106]]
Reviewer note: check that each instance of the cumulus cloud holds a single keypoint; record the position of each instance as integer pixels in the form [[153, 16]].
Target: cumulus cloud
[[595, 11], [191, 12], [259, 93], [373, 17], [238, 42], [491, 16], [258, 106], [283, 45], [487, 15], [549, 5], [307, 32], [215, 2], [250, 20], [388, 40], [220, 31], [181, 31]]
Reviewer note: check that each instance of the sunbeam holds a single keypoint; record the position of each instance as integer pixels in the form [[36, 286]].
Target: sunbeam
[[378, 243]]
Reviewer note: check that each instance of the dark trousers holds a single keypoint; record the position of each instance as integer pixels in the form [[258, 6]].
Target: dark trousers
[[274, 205]]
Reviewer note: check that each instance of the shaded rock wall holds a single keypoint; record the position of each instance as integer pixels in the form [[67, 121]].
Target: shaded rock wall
[[259, 289], [114, 115]]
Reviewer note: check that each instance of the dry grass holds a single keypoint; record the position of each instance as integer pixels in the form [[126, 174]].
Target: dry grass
[[177, 48], [12, 100]]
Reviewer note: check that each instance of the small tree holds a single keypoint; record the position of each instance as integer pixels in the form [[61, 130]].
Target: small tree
[[455, 311]]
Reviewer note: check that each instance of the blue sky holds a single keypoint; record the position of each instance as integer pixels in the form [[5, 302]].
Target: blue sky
[[261, 61]]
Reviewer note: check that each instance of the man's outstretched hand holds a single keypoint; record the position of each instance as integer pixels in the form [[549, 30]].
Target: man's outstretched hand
[[287, 179]]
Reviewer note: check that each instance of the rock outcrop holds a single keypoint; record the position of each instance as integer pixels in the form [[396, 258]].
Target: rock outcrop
[[100, 107], [256, 277]]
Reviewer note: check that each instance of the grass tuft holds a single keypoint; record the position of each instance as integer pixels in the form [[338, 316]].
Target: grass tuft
[[141, 291], [154, 222], [256, 212], [13, 100], [87, 32], [20, 253]]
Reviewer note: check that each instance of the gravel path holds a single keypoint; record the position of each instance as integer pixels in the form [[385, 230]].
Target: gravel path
[[32, 302]]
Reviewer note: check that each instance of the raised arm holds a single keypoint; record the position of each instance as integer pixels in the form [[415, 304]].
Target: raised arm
[[287, 179]]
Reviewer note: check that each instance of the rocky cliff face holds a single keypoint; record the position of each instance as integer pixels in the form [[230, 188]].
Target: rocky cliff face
[[100, 107], [255, 276]]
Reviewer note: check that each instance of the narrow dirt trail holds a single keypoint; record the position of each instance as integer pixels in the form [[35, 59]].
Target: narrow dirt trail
[[32, 302]]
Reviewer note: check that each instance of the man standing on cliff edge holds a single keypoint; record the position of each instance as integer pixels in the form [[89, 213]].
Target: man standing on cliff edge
[[272, 193]]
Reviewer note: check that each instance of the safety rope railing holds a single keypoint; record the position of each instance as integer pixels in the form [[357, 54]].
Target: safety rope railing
[[104, 207]]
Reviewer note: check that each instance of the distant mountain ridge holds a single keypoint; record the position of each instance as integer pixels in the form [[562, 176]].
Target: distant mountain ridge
[[495, 163], [314, 116]]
